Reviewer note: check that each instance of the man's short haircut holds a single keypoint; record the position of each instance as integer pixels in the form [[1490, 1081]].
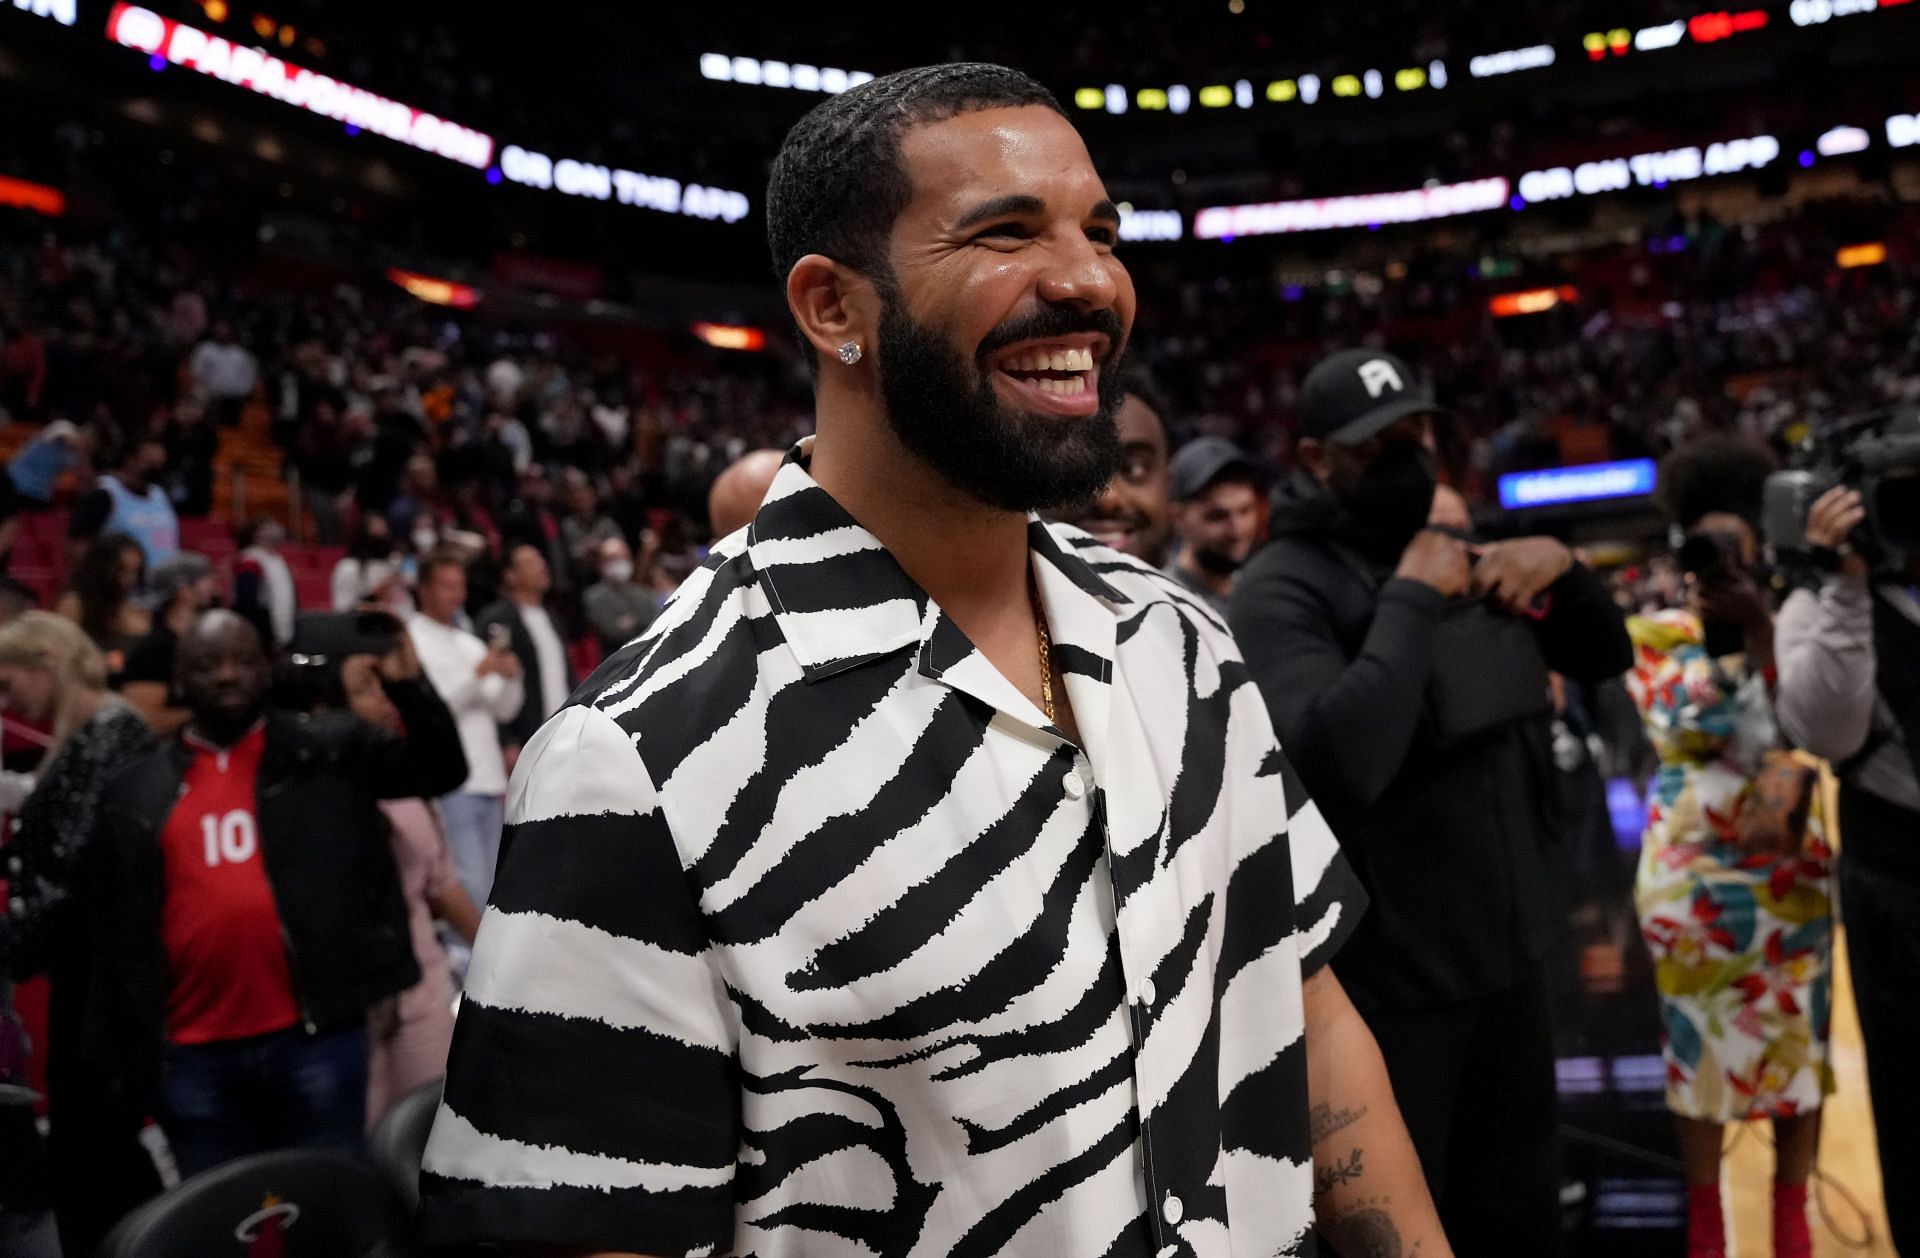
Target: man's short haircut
[[444, 557], [1141, 388], [839, 182], [176, 573]]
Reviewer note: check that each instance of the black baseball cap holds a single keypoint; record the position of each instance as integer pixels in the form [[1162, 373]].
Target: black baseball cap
[[1358, 393], [1205, 460]]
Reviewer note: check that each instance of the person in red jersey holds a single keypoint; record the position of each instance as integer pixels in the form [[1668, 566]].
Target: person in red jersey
[[255, 909]]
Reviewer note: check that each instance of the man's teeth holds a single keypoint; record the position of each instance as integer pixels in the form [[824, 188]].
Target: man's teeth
[[1066, 388], [1052, 360]]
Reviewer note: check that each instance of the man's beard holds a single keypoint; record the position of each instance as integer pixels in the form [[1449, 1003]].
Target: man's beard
[[945, 410]]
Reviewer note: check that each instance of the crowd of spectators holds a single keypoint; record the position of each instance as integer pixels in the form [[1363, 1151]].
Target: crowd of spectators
[[521, 500], [402, 424]]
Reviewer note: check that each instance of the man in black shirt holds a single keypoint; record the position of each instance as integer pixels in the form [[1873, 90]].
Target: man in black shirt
[[1373, 639]]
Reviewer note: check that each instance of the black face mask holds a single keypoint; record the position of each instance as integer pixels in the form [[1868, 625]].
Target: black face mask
[[1215, 562], [1390, 501]]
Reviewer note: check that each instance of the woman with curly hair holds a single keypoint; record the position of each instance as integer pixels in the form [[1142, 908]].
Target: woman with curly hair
[[1733, 889]]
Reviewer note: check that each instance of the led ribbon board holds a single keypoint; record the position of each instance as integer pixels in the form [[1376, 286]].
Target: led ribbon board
[[264, 74], [605, 183], [64, 12], [1649, 170], [1224, 222], [1588, 482]]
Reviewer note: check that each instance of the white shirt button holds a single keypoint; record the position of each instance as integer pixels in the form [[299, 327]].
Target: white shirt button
[[1074, 785], [1147, 993], [1172, 1211]]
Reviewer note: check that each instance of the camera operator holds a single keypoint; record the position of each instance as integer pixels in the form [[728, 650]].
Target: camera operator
[[255, 909], [1849, 690], [1374, 638]]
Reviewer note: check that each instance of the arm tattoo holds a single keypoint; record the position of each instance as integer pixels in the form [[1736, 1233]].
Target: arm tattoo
[[1327, 1177], [1324, 1121], [1368, 1232]]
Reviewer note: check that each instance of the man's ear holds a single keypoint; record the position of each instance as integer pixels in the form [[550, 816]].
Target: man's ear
[[832, 304]]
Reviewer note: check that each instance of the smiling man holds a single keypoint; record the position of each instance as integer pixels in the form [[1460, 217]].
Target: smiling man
[[1133, 514], [927, 880]]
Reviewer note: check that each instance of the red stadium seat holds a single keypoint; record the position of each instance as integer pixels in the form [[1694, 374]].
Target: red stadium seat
[[313, 589]]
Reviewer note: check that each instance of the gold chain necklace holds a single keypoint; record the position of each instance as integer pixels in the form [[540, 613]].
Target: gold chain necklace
[[1046, 651]]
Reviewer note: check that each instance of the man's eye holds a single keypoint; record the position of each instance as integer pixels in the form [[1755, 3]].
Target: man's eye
[[1003, 231], [1103, 235]]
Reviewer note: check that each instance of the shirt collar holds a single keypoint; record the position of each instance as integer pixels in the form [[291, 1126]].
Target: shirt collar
[[842, 600], [206, 747]]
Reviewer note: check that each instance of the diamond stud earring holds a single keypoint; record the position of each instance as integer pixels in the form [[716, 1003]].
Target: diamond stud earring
[[850, 353]]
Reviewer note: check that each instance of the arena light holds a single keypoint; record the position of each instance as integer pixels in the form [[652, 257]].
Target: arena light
[[1513, 61], [1649, 169], [1137, 225], [1601, 44], [1530, 301], [1225, 222], [65, 12], [266, 75], [1816, 12], [1090, 98], [1654, 38], [1903, 130], [731, 336], [1589, 482], [1843, 140], [1872, 253], [797, 76], [436, 291], [24, 194], [604, 183], [1711, 28]]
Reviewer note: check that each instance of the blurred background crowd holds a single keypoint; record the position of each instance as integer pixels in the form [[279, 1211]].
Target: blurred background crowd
[[260, 359]]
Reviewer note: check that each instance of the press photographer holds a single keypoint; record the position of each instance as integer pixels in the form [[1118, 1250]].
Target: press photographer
[[1848, 649]]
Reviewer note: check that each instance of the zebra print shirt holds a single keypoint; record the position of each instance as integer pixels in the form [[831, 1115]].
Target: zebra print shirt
[[811, 936]]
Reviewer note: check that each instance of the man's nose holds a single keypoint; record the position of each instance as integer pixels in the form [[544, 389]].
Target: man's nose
[[1077, 274]]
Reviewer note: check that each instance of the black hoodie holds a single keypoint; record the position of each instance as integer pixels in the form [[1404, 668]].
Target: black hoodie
[[1422, 727]]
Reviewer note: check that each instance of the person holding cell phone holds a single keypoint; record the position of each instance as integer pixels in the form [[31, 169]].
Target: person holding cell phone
[[256, 911], [482, 682]]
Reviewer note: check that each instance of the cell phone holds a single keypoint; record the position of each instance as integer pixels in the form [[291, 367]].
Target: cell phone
[[329, 637]]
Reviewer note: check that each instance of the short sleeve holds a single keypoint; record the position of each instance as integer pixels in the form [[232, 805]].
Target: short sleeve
[[1328, 897], [592, 1097]]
